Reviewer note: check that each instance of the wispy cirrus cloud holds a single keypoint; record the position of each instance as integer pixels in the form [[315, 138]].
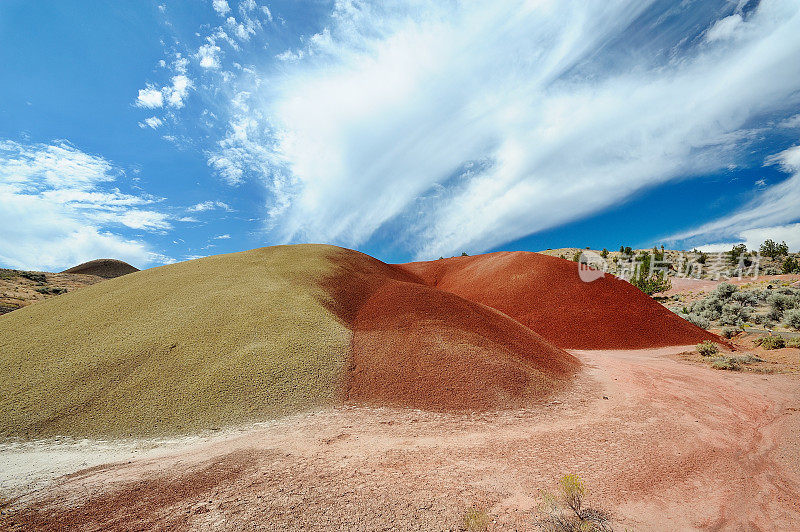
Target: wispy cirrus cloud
[[766, 216], [59, 206], [465, 125]]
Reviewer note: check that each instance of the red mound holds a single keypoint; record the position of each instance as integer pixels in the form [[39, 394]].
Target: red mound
[[414, 345], [108, 268], [547, 295]]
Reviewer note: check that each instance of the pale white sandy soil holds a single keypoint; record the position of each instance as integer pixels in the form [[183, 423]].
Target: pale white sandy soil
[[661, 444]]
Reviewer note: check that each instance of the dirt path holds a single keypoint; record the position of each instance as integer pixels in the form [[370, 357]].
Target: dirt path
[[662, 444]]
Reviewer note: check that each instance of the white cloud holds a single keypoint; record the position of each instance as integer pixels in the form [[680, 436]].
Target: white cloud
[[753, 238], [210, 205], [465, 126], [178, 91], [172, 95], [222, 237], [770, 211], [791, 122], [57, 210], [725, 28], [221, 6], [242, 30], [150, 97], [267, 13], [152, 122], [208, 54], [245, 6]]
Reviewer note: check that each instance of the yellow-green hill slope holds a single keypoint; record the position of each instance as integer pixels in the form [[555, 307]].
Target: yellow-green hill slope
[[176, 349]]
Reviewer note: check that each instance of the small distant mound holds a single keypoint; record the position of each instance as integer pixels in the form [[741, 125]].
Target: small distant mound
[[107, 268], [547, 295]]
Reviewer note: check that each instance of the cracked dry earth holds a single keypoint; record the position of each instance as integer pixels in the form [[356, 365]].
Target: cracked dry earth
[[661, 444]]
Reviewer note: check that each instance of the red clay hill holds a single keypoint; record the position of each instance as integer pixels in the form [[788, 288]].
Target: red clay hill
[[414, 345], [547, 295]]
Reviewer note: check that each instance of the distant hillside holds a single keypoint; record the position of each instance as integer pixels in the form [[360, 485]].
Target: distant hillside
[[106, 268], [20, 288]]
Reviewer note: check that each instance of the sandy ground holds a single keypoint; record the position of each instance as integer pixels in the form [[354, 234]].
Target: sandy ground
[[662, 444]]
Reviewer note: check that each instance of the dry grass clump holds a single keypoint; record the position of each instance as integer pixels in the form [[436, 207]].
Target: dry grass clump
[[476, 520], [565, 511], [707, 348], [195, 345]]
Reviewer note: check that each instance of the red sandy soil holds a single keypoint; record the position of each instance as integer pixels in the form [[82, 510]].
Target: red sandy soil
[[106, 268], [547, 295], [420, 347], [661, 444]]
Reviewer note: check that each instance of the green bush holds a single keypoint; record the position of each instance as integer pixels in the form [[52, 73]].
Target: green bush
[[793, 342], [36, 277], [695, 319], [773, 250], [707, 348], [772, 342], [726, 363], [737, 252], [790, 265], [724, 290], [792, 318], [729, 332], [780, 302]]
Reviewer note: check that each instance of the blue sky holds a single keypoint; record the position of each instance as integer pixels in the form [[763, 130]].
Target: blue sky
[[157, 132]]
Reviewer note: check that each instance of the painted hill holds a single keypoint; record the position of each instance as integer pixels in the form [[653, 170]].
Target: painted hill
[[106, 268], [547, 295], [249, 336]]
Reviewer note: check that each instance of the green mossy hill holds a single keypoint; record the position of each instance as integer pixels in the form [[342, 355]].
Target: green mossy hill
[[206, 343]]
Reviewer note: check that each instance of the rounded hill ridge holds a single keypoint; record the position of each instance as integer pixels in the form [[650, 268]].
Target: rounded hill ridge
[[547, 295], [249, 336]]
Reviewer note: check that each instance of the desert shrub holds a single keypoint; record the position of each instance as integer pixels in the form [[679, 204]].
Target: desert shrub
[[707, 348], [773, 315], [604, 253], [793, 342], [772, 342], [34, 276], [790, 265], [748, 298], [566, 511], [724, 290], [733, 313], [696, 319], [576, 256], [476, 520], [49, 290], [726, 363], [781, 302], [792, 318], [730, 332]]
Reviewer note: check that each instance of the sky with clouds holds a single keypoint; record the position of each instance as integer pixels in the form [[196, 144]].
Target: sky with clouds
[[157, 132]]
